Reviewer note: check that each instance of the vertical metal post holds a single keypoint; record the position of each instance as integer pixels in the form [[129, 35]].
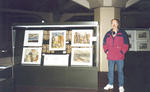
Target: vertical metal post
[[13, 51], [98, 46]]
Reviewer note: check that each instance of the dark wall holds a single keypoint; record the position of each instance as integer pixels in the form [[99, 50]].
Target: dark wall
[[6, 22], [135, 20], [137, 71]]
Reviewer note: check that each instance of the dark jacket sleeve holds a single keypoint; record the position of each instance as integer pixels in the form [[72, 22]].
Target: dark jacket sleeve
[[105, 46], [125, 46]]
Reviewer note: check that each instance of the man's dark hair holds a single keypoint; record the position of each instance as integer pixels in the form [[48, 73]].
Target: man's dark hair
[[118, 21]]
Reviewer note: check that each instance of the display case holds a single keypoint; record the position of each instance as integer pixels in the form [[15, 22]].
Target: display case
[[139, 39], [56, 55]]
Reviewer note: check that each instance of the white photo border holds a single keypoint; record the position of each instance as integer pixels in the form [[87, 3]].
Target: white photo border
[[133, 45], [132, 33], [50, 40], [89, 31], [40, 38], [39, 50], [76, 63]]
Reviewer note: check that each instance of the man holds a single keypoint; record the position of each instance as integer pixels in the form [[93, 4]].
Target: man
[[115, 45]]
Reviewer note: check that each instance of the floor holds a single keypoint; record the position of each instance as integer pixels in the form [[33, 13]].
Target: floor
[[134, 82], [137, 77]]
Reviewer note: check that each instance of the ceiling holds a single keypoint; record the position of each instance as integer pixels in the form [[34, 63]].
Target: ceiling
[[59, 7], [25, 9], [141, 5]]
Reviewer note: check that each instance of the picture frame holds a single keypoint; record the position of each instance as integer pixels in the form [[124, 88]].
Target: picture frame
[[33, 38], [132, 45], [81, 57], [57, 40], [131, 34], [142, 35], [31, 55], [143, 46], [82, 37], [56, 60]]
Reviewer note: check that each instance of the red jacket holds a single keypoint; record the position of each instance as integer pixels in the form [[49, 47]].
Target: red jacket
[[115, 47]]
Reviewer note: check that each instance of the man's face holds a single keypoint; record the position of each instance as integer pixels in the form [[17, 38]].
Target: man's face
[[114, 24]]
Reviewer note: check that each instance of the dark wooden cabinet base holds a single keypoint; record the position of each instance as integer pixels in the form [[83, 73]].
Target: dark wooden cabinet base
[[57, 77]]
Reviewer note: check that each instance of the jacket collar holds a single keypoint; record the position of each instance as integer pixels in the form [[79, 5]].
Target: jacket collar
[[117, 31]]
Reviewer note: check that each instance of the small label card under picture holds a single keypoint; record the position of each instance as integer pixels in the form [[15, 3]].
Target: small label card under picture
[[81, 57], [56, 60], [33, 38], [94, 38], [31, 56]]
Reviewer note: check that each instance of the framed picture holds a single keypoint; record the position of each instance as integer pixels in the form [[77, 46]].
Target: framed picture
[[57, 40], [142, 35], [81, 57], [33, 38], [132, 45], [56, 60], [82, 37], [31, 56], [143, 46], [131, 34]]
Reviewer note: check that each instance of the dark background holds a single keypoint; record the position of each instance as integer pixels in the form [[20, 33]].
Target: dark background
[[27, 11]]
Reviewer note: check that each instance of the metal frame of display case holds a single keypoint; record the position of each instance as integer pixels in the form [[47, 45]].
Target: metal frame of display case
[[68, 70]]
